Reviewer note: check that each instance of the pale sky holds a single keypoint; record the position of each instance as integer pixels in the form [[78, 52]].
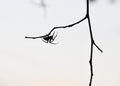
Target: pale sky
[[26, 62]]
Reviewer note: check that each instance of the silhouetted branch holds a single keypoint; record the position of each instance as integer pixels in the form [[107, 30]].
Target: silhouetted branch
[[34, 37], [92, 43], [49, 39], [70, 25]]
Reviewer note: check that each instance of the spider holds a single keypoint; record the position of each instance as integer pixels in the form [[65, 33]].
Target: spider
[[49, 38]]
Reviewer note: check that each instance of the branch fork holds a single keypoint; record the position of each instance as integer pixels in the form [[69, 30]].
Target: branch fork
[[49, 39]]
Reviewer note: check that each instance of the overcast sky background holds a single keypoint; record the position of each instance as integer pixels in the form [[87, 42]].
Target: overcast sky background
[[27, 62]]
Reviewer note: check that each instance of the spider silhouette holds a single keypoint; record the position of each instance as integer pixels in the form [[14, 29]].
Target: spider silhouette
[[49, 38]]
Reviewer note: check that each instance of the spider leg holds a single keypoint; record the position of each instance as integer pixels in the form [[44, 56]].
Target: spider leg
[[53, 40], [44, 40], [53, 33], [50, 38], [54, 37], [53, 43]]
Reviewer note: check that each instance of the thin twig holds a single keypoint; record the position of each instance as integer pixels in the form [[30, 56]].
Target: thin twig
[[35, 37], [70, 25], [91, 37], [92, 43]]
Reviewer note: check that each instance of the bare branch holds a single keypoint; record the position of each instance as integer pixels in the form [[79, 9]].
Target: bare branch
[[92, 43], [68, 26], [97, 47], [48, 38], [34, 37]]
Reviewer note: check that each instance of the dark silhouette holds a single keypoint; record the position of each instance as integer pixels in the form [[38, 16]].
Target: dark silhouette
[[49, 38]]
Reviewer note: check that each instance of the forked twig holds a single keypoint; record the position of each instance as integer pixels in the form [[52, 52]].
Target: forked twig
[[91, 37]]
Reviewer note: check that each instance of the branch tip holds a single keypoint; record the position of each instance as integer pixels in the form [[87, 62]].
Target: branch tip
[[98, 47]]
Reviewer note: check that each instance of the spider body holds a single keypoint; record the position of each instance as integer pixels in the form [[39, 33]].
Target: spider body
[[49, 38]]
